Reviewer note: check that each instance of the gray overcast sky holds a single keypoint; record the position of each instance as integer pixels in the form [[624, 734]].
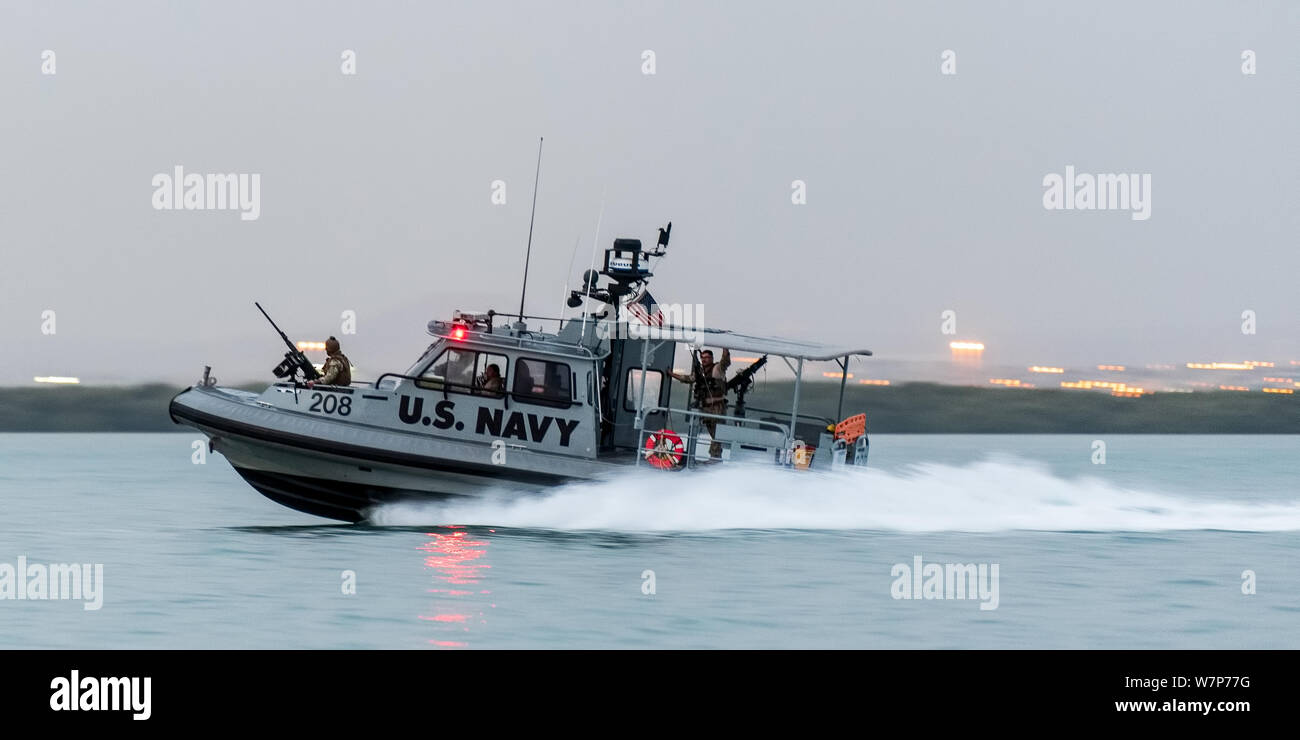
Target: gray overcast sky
[[924, 190]]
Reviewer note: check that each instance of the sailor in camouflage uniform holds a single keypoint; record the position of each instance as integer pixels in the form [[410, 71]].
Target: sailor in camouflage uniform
[[337, 370], [713, 397]]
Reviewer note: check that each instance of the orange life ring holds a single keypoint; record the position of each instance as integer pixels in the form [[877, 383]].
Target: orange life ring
[[664, 449]]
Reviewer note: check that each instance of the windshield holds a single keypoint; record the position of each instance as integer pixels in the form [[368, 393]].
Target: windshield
[[391, 383], [418, 365]]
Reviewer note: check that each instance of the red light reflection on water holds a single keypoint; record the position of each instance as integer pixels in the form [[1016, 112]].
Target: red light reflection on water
[[453, 557], [446, 618]]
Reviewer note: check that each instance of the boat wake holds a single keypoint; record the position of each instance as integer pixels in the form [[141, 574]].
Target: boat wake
[[988, 496]]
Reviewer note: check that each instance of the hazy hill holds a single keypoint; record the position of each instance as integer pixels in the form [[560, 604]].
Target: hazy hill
[[911, 407]]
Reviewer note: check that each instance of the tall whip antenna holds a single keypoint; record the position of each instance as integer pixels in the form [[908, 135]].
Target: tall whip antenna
[[528, 255], [595, 239], [576, 240]]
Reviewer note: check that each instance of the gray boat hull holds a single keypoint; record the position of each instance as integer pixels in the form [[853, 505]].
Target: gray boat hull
[[342, 471]]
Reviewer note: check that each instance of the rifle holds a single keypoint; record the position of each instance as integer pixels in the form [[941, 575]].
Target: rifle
[[700, 386], [294, 360]]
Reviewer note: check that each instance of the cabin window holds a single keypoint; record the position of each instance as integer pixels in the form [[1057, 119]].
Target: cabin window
[[543, 382], [454, 369], [653, 380], [490, 375], [466, 371]]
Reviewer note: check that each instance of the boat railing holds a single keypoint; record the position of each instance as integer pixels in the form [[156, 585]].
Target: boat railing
[[533, 345], [539, 342], [820, 421], [733, 432], [559, 321]]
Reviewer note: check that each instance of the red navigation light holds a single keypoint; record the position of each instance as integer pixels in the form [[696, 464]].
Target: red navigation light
[[458, 332]]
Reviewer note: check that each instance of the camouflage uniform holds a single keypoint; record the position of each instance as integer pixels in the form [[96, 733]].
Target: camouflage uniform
[[336, 371], [714, 398]]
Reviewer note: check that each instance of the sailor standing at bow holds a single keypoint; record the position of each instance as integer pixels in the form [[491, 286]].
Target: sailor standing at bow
[[710, 393]]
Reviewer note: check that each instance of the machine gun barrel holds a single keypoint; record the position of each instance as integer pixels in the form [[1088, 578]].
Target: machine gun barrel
[[294, 360], [292, 347], [742, 379]]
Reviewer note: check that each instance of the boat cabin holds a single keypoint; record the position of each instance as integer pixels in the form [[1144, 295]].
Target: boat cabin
[[605, 390]]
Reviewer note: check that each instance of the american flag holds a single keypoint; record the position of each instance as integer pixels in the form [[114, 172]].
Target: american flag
[[644, 308]]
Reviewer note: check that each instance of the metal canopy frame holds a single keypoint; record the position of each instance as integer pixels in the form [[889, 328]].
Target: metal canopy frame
[[790, 348], [786, 349]]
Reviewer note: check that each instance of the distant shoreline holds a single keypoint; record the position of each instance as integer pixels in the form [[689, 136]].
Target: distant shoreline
[[909, 408]]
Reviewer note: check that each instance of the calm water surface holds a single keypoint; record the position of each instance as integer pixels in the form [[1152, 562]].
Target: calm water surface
[[1147, 550]]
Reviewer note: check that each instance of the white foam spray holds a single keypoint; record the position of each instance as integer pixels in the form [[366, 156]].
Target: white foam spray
[[987, 496]]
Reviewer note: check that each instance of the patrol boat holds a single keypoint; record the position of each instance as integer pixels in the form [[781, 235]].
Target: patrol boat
[[591, 399]]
